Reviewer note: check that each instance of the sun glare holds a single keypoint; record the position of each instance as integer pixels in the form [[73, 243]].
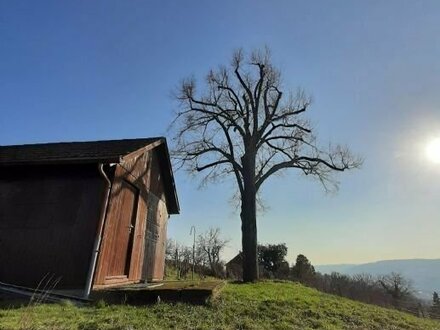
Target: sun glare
[[433, 150]]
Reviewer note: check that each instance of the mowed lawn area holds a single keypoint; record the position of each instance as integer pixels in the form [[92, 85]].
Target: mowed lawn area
[[264, 305]]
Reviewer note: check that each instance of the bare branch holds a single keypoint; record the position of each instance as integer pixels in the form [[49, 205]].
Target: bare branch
[[243, 114]]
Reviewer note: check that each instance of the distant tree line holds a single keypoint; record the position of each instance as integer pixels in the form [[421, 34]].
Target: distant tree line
[[392, 290], [434, 311], [204, 258]]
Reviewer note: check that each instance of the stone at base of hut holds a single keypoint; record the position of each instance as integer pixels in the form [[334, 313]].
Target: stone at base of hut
[[193, 292]]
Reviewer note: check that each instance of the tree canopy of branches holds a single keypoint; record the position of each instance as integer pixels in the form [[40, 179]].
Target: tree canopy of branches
[[206, 258], [243, 124], [435, 308], [271, 256], [368, 288], [396, 286], [180, 256], [211, 244], [303, 270]]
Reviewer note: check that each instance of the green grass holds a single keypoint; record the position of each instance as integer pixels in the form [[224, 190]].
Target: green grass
[[265, 305], [171, 275]]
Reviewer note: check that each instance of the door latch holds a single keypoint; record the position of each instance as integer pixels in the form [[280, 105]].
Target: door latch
[[130, 228]]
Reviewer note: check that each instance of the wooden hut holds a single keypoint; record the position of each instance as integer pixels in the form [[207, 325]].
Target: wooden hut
[[90, 214], [234, 267]]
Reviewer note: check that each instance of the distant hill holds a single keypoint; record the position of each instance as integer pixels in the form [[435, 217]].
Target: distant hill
[[424, 273]]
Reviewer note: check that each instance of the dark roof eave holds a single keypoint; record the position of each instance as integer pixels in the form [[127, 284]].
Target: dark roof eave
[[174, 208], [72, 152], [64, 161]]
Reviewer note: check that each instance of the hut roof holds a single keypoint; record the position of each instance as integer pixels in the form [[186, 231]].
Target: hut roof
[[71, 152], [237, 260], [110, 151]]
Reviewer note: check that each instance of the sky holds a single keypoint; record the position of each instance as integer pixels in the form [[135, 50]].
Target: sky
[[95, 70]]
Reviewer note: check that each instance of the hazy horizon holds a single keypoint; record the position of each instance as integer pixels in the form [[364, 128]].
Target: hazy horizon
[[371, 262]]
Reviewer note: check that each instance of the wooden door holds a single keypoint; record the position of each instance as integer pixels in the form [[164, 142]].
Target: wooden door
[[119, 266]]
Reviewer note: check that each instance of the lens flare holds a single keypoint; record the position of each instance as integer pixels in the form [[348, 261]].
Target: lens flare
[[433, 150]]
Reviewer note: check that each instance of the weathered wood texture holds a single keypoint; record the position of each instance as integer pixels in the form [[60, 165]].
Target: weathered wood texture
[[124, 230], [155, 240], [139, 175], [157, 218], [48, 223]]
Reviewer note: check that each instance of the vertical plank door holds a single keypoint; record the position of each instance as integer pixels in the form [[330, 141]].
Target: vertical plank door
[[126, 220]]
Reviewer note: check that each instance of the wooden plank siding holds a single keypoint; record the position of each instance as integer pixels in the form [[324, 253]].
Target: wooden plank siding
[[156, 224], [155, 240], [143, 171]]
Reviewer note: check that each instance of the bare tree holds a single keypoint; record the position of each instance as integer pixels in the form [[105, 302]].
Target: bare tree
[[184, 254], [170, 249], [180, 256], [396, 286], [212, 245], [243, 125]]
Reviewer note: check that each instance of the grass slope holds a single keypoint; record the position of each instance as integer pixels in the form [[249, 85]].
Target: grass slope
[[265, 305]]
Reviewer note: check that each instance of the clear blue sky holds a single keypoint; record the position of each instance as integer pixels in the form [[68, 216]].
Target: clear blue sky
[[89, 70]]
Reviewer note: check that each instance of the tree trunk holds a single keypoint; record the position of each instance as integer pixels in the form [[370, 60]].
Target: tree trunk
[[249, 222]]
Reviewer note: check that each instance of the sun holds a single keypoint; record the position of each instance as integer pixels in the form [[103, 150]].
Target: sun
[[433, 150]]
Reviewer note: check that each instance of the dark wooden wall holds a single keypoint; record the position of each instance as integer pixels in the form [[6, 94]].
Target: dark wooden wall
[[48, 223]]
